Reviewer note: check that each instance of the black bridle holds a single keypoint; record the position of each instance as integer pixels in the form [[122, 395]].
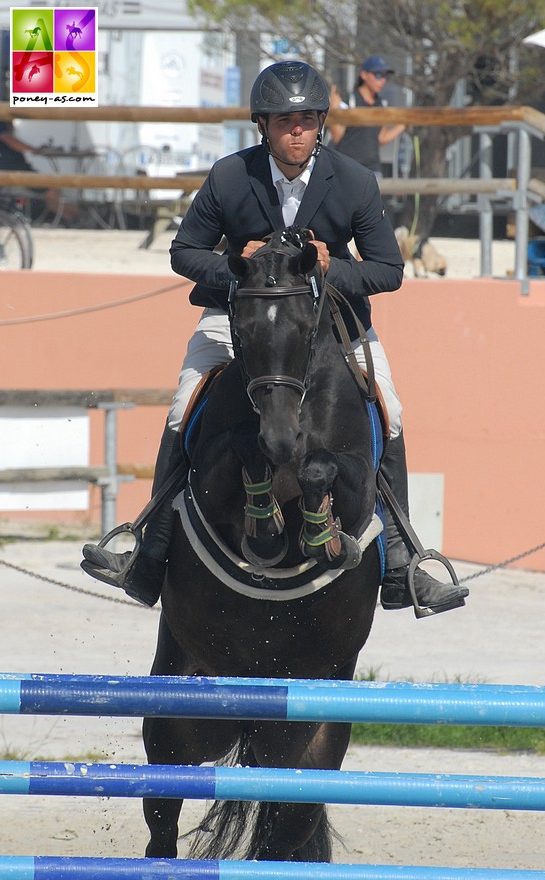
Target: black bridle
[[274, 290]]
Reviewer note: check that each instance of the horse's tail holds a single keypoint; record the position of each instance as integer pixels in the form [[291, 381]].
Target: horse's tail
[[242, 829], [225, 826]]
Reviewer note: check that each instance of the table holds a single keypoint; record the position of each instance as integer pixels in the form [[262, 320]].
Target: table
[[103, 206]]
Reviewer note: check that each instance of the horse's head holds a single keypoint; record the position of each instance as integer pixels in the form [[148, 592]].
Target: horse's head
[[275, 310]]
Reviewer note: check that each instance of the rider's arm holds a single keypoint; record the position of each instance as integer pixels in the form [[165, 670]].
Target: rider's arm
[[15, 143], [381, 266], [335, 129], [192, 251]]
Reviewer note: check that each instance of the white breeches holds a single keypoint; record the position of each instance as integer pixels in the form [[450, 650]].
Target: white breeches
[[211, 346]]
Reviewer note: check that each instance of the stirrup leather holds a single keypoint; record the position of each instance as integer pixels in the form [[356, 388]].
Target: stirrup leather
[[414, 545]]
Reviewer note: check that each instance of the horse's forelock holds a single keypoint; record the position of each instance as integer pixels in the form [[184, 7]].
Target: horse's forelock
[[287, 268], [283, 267]]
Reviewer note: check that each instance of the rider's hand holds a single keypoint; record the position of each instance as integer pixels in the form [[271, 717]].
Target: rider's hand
[[251, 248], [323, 253]]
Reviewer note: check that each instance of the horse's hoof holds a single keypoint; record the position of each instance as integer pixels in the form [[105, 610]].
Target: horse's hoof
[[352, 549], [311, 552], [350, 556], [261, 561]]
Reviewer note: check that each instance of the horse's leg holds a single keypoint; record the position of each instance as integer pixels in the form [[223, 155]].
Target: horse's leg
[[321, 535], [264, 540], [299, 832], [177, 741]]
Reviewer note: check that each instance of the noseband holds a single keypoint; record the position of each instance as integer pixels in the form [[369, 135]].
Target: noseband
[[272, 291]]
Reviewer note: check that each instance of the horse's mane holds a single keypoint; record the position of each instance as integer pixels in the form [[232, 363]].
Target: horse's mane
[[296, 236]]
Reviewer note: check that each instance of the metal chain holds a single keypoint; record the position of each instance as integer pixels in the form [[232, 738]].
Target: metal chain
[[48, 580], [118, 601], [503, 564]]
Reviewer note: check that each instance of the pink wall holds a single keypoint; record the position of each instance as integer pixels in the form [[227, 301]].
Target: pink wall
[[466, 356], [468, 361], [137, 345]]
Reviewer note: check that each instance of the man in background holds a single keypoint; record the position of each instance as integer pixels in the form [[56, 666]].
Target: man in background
[[12, 158], [363, 142]]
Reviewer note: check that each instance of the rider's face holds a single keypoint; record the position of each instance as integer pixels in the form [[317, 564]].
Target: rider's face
[[292, 136]]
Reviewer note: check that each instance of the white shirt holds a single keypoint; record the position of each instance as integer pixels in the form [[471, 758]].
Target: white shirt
[[290, 192]]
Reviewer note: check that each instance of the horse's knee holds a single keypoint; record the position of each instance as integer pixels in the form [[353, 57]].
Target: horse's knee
[[318, 471], [151, 738], [165, 741]]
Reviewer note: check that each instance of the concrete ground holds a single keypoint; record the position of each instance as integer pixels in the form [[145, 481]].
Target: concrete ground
[[497, 637]]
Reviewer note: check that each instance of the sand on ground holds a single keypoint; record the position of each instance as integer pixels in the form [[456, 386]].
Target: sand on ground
[[118, 251], [496, 638]]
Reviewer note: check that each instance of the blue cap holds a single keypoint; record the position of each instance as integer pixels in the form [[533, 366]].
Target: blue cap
[[376, 64]]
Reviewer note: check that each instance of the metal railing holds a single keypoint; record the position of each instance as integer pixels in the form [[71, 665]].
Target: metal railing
[[519, 191], [111, 473]]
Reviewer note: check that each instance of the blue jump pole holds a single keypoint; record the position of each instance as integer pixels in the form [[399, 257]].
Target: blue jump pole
[[78, 868], [271, 784], [272, 699]]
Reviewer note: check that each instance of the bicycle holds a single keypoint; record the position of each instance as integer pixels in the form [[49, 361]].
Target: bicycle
[[16, 244]]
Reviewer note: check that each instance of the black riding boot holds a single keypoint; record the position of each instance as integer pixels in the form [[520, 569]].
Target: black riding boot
[[143, 579], [395, 590]]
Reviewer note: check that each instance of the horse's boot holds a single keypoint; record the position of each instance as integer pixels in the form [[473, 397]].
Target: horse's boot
[[395, 593], [141, 575]]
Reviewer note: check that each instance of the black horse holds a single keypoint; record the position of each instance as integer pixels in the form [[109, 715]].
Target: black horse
[[266, 577]]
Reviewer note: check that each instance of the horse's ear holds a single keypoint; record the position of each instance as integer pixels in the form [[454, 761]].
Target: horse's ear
[[239, 266], [309, 257]]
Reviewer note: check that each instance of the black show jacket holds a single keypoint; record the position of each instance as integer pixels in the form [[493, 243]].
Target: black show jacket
[[238, 200]]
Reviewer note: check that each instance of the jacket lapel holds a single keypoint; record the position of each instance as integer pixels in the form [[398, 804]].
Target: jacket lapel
[[266, 193], [320, 182], [318, 186]]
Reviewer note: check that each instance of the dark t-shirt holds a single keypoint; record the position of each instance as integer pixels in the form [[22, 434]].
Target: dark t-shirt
[[360, 142], [11, 160]]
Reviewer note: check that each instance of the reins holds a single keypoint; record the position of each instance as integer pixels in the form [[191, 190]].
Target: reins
[[335, 300], [335, 297], [272, 291]]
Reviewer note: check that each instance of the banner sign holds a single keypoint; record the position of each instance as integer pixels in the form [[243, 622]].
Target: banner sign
[[53, 56]]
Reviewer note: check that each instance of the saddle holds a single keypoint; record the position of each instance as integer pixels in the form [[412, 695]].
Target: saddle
[[199, 398], [195, 408]]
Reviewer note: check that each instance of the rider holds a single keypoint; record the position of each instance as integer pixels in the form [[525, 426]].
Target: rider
[[290, 177]]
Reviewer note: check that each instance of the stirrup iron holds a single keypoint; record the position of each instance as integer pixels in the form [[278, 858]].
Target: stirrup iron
[[420, 556], [136, 532]]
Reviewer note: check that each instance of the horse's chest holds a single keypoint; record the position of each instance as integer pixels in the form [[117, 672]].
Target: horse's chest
[[225, 634]]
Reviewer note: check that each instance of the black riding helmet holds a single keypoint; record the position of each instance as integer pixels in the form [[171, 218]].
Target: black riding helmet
[[288, 86]]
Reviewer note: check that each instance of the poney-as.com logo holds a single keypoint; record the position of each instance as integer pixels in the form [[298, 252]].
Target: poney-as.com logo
[[53, 56]]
